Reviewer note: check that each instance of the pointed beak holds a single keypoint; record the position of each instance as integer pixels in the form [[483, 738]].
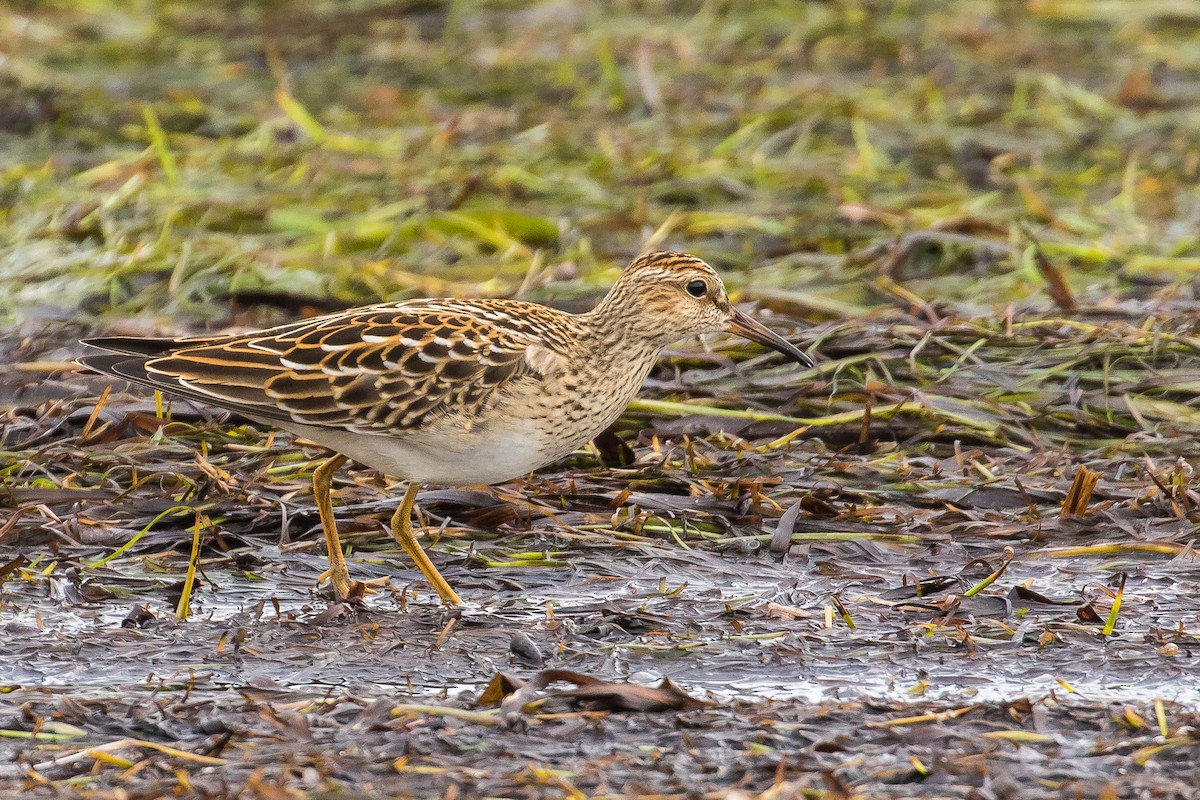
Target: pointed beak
[[745, 325]]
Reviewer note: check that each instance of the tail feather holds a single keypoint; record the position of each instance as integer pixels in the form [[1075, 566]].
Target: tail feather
[[131, 359], [118, 365], [135, 346]]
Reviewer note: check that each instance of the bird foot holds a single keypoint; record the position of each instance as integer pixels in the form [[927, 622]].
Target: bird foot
[[351, 591]]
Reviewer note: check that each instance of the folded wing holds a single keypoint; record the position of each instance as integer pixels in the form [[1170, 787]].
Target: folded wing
[[375, 370]]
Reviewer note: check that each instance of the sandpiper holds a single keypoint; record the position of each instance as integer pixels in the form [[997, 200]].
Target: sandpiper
[[451, 392]]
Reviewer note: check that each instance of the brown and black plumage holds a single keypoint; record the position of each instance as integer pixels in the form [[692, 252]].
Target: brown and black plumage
[[384, 369], [453, 392]]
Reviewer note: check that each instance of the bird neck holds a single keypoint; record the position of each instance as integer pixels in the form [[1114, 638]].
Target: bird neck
[[618, 322]]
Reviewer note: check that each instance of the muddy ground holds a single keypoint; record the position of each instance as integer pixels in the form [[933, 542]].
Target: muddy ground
[[816, 597]]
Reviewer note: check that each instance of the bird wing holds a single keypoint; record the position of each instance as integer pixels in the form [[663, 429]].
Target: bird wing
[[380, 369]]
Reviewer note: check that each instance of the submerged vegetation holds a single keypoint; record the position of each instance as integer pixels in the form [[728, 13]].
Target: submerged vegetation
[[955, 559]]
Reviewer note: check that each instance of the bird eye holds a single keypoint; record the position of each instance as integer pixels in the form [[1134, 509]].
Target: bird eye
[[697, 288]]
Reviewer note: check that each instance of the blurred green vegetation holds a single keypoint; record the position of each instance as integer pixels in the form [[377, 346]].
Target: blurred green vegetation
[[160, 157]]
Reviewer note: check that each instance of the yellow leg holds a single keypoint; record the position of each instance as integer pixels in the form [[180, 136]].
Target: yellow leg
[[402, 530], [338, 574]]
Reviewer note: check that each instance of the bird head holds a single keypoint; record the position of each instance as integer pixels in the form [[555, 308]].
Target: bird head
[[674, 295]]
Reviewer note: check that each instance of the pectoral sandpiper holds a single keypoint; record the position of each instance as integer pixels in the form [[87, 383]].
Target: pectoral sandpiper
[[451, 392]]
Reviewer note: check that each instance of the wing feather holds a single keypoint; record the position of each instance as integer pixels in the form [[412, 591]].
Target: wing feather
[[380, 369]]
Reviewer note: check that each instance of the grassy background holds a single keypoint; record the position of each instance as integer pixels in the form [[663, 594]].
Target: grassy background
[[159, 156]]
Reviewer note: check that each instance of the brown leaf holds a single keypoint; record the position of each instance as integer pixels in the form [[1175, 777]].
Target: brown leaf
[[1056, 285], [489, 518], [1060, 292], [970, 225], [1088, 613], [1136, 89], [1019, 592], [12, 566], [632, 697], [924, 588], [1140, 91], [1080, 494], [597, 695], [500, 686], [1038, 208], [613, 450], [331, 613], [138, 616], [779, 611]]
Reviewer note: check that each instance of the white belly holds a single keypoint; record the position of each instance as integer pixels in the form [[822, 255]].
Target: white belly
[[462, 459], [521, 434]]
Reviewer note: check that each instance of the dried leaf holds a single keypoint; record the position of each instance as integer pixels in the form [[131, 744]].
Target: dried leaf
[[597, 695], [1076, 502]]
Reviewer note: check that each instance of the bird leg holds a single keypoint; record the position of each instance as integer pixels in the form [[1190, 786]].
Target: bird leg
[[403, 531], [337, 573]]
